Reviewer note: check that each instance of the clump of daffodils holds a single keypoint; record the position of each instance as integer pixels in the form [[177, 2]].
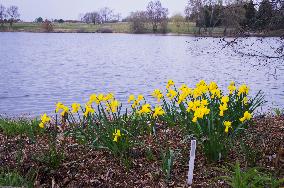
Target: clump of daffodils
[[200, 103]]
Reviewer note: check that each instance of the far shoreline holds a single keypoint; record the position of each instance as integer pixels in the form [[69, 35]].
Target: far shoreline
[[124, 28]]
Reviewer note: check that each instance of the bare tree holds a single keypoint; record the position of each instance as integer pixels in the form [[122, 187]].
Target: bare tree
[[233, 15], [138, 21], [157, 14], [13, 13], [193, 12], [2, 15], [106, 14]]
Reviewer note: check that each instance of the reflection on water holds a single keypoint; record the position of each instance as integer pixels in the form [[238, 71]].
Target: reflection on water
[[37, 70]]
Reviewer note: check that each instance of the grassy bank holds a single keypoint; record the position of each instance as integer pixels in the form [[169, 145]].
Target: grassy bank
[[121, 27]]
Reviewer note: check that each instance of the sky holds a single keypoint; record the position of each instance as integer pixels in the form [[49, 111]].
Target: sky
[[71, 9]]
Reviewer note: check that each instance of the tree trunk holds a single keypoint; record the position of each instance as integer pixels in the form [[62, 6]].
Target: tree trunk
[[225, 31]]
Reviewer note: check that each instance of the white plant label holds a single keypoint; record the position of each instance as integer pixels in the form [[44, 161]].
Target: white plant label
[[191, 162]]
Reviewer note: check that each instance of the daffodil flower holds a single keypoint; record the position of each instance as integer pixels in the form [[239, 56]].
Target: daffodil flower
[[158, 111], [247, 116], [227, 125], [75, 107]]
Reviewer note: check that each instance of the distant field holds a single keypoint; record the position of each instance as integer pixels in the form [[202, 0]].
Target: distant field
[[121, 27]]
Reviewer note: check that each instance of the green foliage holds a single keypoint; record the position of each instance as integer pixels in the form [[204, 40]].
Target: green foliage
[[278, 111], [52, 159], [25, 127], [251, 154], [167, 162], [251, 177], [264, 14], [14, 179]]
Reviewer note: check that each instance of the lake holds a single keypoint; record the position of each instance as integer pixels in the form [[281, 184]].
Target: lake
[[39, 69]]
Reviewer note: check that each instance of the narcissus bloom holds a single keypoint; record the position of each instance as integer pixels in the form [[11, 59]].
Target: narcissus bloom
[[108, 97], [225, 99], [245, 100], [157, 94], [171, 94], [140, 98], [223, 108], [131, 98], [243, 89], [44, 119], [65, 110], [88, 109], [232, 88], [116, 135], [170, 83], [59, 106], [145, 109], [99, 98], [227, 125], [212, 86], [75, 107], [112, 106], [247, 116], [215, 93], [158, 111]]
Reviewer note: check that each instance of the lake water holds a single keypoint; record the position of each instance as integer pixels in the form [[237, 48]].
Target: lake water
[[39, 69]]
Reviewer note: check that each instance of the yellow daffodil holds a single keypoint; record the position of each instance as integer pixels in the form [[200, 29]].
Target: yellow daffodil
[[116, 135], [158, 111], [92, 99], [157, 94], [44, 119], [194, 119], [88, 109], [227, 125], [170, 83], [99, 98], [135, 104], [212, 86], [41, 125], [232, 88], [59, 106], [204, 102], [215, 93], [145, 109], [225, 99], [247, 116], [65, 110], [222, 108], [245, 100], [171, 94], [75, 107], [131, 98], [140, 98], [108, 97], [112, 106], [243, 89]]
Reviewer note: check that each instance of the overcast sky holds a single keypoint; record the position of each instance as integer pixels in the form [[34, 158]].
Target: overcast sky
[[70, 9]]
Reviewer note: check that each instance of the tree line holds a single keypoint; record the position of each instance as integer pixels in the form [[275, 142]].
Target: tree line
[[237, 14], [104, 15], [240, 15], [9, 15]]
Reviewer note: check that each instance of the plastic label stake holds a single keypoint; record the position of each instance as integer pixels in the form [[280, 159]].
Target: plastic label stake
[[191, 162]]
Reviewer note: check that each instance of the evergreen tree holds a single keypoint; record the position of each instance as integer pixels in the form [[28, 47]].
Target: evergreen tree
[[264, 14], [250, 15]]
